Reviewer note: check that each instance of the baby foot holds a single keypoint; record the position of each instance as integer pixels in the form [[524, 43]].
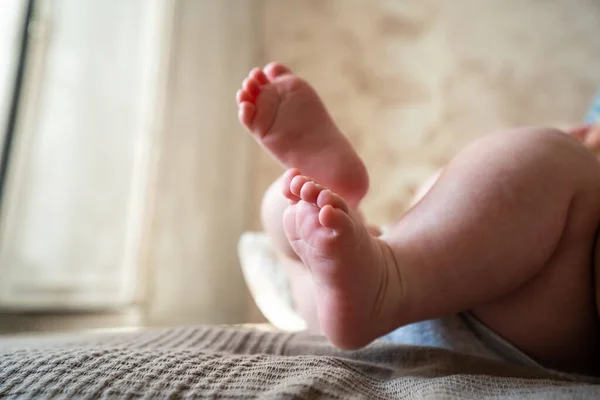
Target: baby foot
[[356, 280], [287, 117], [588, 134]]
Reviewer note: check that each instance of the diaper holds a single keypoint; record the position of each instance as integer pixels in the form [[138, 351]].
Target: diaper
[[593, 115], [268, 282]]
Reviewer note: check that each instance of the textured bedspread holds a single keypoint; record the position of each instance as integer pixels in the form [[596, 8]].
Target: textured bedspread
[[230, 363]]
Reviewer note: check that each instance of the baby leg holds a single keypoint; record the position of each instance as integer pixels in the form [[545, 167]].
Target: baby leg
[[507, 231]]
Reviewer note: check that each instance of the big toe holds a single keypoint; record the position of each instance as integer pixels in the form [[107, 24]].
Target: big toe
[[275, 69], [337, 220]]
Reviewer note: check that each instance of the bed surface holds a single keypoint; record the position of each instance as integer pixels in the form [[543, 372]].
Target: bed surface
[[241, 363]]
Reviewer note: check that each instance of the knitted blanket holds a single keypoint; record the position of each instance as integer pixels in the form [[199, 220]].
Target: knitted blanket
[[213, 362]]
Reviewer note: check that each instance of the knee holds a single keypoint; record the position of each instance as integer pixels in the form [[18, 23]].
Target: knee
[[272, 206], [561, 155], [537, 153], [522, 167]]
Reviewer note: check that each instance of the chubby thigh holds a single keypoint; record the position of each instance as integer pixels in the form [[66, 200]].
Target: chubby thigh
[[508, 231]]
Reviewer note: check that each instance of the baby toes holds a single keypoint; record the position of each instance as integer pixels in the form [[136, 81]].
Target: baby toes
[[286, 184], [336, 220], [252, 86], [274, 70], [297, 183], [327, 197], [242, 96], [259, 76], [333, 210], [310, 192]]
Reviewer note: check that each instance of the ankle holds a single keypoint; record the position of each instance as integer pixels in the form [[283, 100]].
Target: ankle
[[395, 307]]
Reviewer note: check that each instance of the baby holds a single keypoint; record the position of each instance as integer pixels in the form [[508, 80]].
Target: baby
[[508, 232]]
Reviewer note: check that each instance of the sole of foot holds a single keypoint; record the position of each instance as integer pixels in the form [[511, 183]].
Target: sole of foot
[[287, 117], [350, 268]]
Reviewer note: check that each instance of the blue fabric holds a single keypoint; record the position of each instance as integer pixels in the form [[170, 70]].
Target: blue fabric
[[462, 333], [593, 115]]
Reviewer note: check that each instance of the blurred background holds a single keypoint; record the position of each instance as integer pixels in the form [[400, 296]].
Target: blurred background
[[126, 181]]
